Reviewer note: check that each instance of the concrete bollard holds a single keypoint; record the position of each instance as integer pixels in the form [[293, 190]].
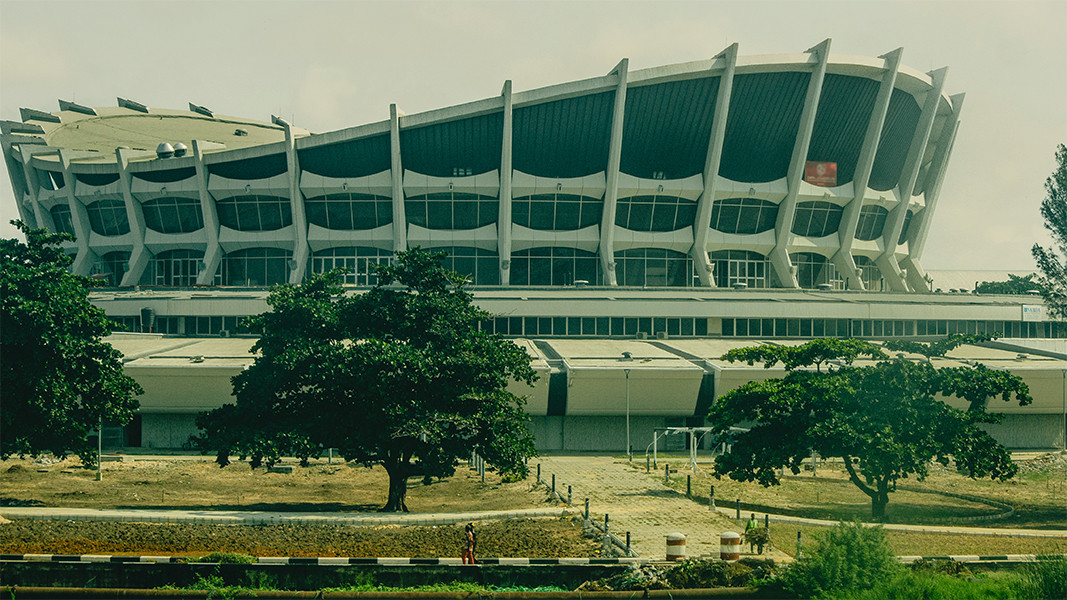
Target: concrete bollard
[[666, 474], [568, 495], [538, 472], [730, 546], [799, 553], [627, 543], [711, 498], [688, 486], [553, 486], [587, 509], [767, 522], [675, 546]]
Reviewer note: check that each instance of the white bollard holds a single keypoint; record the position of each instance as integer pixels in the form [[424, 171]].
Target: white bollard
[[675, 546], [730, 546]]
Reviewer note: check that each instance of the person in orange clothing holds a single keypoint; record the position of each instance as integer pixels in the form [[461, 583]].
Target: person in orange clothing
[[470, 541]]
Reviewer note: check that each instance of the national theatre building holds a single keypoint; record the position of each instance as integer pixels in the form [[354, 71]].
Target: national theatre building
[[669, 213]]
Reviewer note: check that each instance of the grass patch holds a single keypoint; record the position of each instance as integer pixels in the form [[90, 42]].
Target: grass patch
[[907, 543], [826, 493]]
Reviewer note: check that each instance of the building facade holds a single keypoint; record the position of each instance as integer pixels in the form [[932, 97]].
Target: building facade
[[787, 171]]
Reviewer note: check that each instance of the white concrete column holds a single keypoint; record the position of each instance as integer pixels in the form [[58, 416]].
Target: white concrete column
[[779, 256], [400, 219], [140, 256], [702, 222], [83, 263], [503, 222], [301, 250], [212, 251], [887, 261], [611, 191], [39, 217], [842, 259], [920, 224]]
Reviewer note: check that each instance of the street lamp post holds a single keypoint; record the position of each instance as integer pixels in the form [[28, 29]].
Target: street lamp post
[[629, 449]]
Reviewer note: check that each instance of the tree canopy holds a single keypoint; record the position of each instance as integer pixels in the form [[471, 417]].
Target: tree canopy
[[1050, 261], [884, 420], [1014, 285], [399, 376], [59, 378]]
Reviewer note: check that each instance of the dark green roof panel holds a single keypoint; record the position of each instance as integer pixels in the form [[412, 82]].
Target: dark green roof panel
[[667, 128], [259, 167], [900, 123], [564, 138], [436, 150], [354, 158], [845, 108], [765, 110]]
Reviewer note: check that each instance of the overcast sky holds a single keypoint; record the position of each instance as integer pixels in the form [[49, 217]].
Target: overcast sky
[[331, 65]]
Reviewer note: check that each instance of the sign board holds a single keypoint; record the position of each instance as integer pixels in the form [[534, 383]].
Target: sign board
[[1033, 312], [822, 174]]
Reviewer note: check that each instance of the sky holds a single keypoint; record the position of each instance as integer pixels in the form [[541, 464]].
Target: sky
[[331, 65]]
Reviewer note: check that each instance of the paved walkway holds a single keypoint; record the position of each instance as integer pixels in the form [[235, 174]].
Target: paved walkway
[[255, 517], [650, 510], [637, 503]]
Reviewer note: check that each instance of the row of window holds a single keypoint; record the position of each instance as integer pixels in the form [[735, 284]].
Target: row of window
[[636, 267], [455, 211], [672, 327]]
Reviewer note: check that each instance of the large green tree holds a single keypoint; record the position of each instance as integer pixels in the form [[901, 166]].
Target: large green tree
[[884, 420], [57, 375], [1053, 276], [399, 376], [1014, 285]]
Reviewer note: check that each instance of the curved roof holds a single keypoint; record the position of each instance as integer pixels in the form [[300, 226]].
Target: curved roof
[[559, 131]]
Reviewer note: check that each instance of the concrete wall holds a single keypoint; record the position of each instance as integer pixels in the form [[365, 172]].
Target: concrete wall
[[169, 431], [1021, 432]]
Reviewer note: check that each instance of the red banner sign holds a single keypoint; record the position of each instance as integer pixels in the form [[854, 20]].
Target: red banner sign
[[823, 174]]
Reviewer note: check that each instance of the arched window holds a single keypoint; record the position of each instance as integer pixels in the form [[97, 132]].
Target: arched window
[[358, 262], [556, 212], [653, 267], [256, 267], [255, 213], [743, 215], [554, 266], [349, 212], [451, 210], [61, 219], [173, 215], [479, 265], [111, 267], [871, 223], [108, 217], [816, 219], [869, 273], [655, 213], [815, 269], [175, 268], [740, 266]]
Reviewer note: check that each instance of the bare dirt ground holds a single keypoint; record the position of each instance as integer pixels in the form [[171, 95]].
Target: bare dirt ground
[[531, 538], [195, 482]]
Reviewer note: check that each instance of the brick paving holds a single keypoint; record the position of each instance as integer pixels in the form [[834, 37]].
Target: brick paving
[[637, 503]]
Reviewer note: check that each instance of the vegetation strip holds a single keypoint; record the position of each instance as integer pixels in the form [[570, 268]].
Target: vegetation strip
[[325, 561]]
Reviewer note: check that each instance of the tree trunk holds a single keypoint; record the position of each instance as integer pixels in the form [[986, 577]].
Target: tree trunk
[[398, 489], [878, 504]]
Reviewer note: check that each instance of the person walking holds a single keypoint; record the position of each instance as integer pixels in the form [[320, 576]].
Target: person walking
[[470, 542], [750, 533]]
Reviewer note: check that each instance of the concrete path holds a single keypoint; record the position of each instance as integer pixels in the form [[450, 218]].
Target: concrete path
[[650, 510], [637, 503], [255, 517]]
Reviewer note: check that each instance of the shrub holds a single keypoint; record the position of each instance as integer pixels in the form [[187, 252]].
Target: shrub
[[931, 585], [847, 557], [226, 558]]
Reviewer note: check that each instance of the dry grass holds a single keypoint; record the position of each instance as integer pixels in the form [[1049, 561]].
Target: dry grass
[[196, 483], [1039, 496]]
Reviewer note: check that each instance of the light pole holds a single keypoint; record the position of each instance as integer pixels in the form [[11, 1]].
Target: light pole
[[629, 450]]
